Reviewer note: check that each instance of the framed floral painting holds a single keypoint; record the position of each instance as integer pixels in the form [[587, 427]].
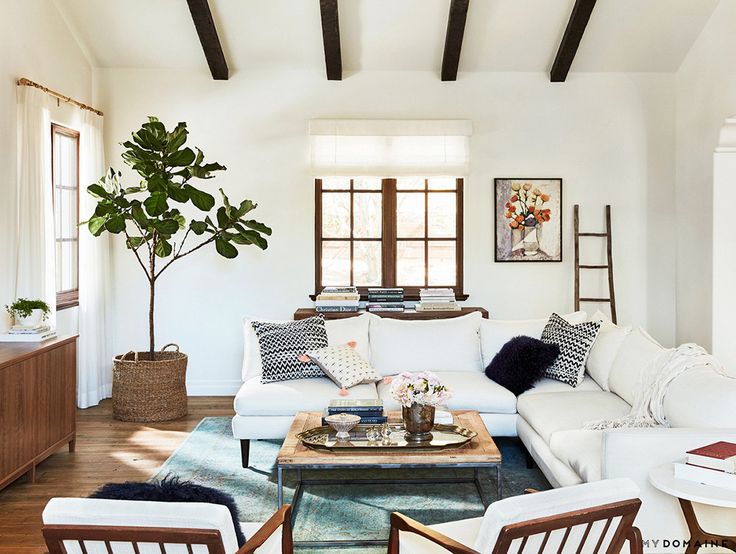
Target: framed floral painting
[[528, 220]]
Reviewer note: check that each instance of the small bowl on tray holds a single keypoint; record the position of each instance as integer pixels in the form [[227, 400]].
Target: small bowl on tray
[[342, 423]]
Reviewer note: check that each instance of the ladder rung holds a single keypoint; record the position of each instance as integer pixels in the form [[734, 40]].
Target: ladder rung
[[595, 299], [593, 266], [592, 234]]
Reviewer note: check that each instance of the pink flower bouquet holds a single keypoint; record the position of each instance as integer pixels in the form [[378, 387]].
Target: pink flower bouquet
[[419, 388]]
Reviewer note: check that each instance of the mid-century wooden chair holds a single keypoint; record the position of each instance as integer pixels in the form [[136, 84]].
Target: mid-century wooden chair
[[97, 526], [592, 518]]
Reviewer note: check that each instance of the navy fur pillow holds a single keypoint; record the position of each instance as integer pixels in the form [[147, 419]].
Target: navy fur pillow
[[521, 362], [172, 489]]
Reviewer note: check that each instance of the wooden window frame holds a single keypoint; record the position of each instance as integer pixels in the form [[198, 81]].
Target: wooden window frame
[[66, 298], [389, 240]]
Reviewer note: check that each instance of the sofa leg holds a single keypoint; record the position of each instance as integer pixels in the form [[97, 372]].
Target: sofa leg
[[244, 451], [530, 463]]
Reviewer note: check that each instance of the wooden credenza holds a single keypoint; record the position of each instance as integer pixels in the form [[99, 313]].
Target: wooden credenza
[[38, 383]]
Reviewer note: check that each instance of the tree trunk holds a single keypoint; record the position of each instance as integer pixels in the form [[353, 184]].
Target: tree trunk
[[151, 302]]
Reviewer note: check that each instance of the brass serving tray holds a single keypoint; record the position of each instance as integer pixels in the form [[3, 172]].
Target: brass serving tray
[[443, 437]]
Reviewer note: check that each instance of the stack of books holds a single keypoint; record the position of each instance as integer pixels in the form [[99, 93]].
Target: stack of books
[[20, 333], [385, 300], [338, 299], [370, 410], [437, 300], [714, 464]]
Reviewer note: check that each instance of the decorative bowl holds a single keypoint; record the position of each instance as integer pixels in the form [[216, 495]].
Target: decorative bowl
[[342, 423]]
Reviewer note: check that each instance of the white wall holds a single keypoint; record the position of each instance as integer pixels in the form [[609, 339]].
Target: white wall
[[706, 95], [35, 43], [609, 136]]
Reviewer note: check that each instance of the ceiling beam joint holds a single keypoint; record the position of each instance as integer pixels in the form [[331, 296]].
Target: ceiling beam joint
[[331, 39]]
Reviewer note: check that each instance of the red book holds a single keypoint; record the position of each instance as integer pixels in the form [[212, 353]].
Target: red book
[[719, 455]]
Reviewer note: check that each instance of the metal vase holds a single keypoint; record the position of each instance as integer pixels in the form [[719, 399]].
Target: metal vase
[[418, 422]]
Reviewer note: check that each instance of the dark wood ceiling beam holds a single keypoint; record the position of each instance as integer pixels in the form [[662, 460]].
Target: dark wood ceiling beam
[[331, 39], [571, 39], [454, 39], [205, 25]]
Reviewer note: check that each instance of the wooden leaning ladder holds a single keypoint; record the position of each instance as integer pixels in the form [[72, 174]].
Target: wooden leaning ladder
[[609, 263]]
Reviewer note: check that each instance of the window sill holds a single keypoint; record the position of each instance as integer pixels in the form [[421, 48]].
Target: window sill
[[67, 304]]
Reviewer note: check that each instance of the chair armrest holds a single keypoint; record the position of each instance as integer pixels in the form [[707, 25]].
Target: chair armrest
[[636, 544], [282, 518], [401, 522]]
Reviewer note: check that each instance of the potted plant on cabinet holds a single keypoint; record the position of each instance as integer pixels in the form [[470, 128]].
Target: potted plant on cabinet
[[28, 313], [150, 385]]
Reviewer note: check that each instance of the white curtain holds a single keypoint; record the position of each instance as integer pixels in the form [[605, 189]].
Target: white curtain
[[35, 257], [389, 148], [94, 364]]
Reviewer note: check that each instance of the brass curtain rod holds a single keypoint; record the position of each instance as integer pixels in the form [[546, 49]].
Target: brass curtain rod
[[28, 83]]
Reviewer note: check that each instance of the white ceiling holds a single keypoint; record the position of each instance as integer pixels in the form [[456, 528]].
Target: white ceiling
[[393, 35]]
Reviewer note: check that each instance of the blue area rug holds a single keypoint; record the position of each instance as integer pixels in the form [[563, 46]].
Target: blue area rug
[[211, 456]]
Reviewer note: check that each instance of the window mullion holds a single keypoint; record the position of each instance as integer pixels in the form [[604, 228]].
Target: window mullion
[[388, 233]]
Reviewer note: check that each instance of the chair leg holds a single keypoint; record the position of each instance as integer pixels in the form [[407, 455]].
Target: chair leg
[[244, 451], [393, 541]]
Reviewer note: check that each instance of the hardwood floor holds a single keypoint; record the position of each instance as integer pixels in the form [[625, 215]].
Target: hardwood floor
[[107, 451]]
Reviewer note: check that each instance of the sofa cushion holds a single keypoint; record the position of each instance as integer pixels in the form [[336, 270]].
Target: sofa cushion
[[290, 397], [580, 449], [339, 331], [451, 344], [549, 413], [470, 391], [521, 362], [701, 398], [494, 333], [636, 353], [574, 342], [604, 350], [343, 365], [553, 385]]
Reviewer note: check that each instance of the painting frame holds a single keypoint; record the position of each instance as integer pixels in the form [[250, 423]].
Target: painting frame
[[503, 253]]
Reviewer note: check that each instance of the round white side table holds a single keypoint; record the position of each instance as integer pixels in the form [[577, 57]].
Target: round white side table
[[687, 492]]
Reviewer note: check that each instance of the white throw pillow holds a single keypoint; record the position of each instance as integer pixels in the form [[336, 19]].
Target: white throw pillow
[[636, 353], [604, 350], [494, 333], [343, 365], [451, 344], [339, 331]]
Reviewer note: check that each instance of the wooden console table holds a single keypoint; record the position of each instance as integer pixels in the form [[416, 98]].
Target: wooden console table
[[38, 388], [303, 313]]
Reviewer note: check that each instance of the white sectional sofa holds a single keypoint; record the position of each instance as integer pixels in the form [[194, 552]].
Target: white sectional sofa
[[549, 419]]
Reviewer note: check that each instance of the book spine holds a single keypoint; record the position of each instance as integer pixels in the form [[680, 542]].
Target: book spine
[[336, 309], [383, 309], [386, 299], [366, 420], [361, 411]]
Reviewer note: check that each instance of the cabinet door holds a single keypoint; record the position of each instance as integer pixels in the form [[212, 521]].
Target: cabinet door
[[16, 435]]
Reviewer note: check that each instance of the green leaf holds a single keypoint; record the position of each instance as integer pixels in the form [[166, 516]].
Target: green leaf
[[157, 183], [163, 248], [225, 249], [257, 226], [222, 218], [166, 226], [252, 237], [245, 207], [181, 158], [104, 208], [96, 225], [177, 193], [203, 200], [198, 227], [133, 242], [98, 191], [177, 137], [115, 224], [181, 221], [139, 215], [156, 204]]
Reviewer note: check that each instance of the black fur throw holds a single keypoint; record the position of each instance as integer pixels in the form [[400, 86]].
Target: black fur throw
[[172, 489], [521, 362]]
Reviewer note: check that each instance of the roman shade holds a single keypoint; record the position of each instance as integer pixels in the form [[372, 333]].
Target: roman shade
[[389, 148]]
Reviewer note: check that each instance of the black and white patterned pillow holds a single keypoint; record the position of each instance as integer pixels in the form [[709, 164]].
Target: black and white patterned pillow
[[574, 342], [282, 343], [344, 365]]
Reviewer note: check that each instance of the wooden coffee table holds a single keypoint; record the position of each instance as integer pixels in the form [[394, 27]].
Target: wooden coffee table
[[481, 452]]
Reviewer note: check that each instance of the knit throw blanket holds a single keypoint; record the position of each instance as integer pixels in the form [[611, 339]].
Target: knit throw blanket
[[648, 408]]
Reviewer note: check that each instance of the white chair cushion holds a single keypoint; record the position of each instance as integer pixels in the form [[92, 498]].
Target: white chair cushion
[[339, 331], [701, 398], [553, 385], [464, 531], [470, 391], [604, 350], [635, 354], [549, 413], [289, 397], [451, 344], [549, 503], [580, 449], [272, 544], [494, 333], [137, 513]]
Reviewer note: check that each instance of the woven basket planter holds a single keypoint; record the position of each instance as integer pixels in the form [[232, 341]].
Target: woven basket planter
[[145, 391]]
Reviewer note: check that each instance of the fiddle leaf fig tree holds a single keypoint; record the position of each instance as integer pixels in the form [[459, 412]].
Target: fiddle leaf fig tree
[[148, 214]]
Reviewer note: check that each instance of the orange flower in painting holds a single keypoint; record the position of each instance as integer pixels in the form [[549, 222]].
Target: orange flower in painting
[[513, 224], [537, 192], [527, 186], [545, 198], [520, 218], [514, 198], [508, 204], [512, 209], [507, 215]]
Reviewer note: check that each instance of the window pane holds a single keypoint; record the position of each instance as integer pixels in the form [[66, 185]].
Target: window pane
[[336, 215], [58, 266], [67, 212], [367, 216], [332, 183], [410, 183], [409, 215], [442, 183], [57, 212], [367, 263], [367, 183], [442, 270], [68, 269], [335, 263], [441, 214], [410, 263]]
